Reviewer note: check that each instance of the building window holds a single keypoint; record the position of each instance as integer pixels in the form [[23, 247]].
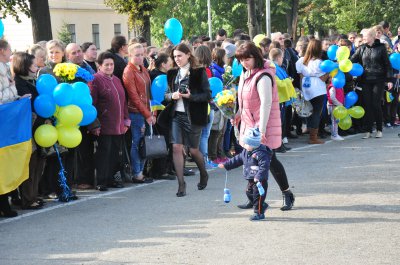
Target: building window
[[117, 29], [96, 35], [71, 30]]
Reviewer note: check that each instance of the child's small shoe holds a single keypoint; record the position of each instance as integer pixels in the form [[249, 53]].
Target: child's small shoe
[[337, 138], [257, 217]]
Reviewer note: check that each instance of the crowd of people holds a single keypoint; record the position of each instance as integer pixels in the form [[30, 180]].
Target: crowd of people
[[196, 129]]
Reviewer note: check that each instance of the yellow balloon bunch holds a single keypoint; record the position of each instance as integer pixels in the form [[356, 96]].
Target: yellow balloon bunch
[[342, 55]]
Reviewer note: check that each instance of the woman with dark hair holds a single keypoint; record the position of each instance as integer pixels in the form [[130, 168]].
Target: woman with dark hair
[[119, 48], [259, 107], [162, 63], [373, 57], [25, 71], [90, 54], [189, 92], [313, 85], [109, 99]]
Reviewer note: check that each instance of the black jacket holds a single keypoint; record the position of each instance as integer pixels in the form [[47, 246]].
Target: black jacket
[[375, 61], [119, 65], [197, 105]]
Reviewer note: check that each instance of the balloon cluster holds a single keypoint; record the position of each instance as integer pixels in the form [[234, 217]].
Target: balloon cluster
[[173, 30], [69, 106], [343, 65], [346, 112]]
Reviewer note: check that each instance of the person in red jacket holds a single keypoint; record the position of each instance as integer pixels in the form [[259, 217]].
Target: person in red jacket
[[109, 99], [137, 83]]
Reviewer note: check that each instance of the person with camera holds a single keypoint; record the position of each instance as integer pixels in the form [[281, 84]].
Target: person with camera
[[189, 93]]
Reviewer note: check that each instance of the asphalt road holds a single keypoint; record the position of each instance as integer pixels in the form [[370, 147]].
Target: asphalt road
[[347, 211]]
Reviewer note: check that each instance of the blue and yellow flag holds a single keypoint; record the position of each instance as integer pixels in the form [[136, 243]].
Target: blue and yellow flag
[[15, 143]]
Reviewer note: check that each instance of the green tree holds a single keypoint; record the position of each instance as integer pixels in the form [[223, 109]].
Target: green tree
[[37, 10], [139, 12], [64, 35]]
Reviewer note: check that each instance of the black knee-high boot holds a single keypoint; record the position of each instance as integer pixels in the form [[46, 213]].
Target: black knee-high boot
[[5, 209]]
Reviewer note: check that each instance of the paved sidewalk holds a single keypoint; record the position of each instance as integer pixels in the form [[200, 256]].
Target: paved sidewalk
[[347, 211]]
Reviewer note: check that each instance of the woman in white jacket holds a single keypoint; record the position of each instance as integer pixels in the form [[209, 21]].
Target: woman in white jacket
[[8, 92], [313, 86]]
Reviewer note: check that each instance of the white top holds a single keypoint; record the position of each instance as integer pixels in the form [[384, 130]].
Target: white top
[[311, 76], [264, 88], [182, 74]]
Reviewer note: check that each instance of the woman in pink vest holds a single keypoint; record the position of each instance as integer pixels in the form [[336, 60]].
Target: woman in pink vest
[[259, 108]]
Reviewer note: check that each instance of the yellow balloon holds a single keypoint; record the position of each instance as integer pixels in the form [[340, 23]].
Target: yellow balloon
[[69, 137], [258, 38], [209, 109], [345, 123], [345, 65], [342, 53], [70, 115], [46, 135], [333, 73], [356, 112], [340, 112]]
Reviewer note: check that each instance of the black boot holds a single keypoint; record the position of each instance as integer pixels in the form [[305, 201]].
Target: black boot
[[5, 209], [288, 200], [247, 205]]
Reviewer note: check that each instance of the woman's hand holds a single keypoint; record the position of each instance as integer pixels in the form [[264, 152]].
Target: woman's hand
[[221, 166], [176, 95], [151, 120], [126, 128], [235, 121], [26, 96]]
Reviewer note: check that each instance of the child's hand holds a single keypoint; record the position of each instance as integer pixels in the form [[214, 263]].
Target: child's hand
[[221, 165]]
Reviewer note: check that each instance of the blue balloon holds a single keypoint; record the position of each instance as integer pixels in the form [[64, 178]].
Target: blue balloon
[[63, 94], [81, 94], [395, 60], [159, 87], [328, 66], [357, 70], [173, 30], [339, 80], [44, 106], [46, 84], [350, 99], [237, 68], [1, 28], [332, 52], [89, 114], [216, 85]]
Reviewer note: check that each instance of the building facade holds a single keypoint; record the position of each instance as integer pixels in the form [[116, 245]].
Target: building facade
[[86, 20]]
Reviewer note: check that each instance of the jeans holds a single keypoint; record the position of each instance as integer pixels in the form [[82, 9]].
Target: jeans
[[205, 133], [137, 129], [318, 105]]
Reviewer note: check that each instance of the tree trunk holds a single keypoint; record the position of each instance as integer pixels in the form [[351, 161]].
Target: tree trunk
[[146, 29], [292, 18], [41, 23], [252, 18]]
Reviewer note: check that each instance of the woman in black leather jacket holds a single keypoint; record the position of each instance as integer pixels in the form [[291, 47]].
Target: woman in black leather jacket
[[373, 56], [189, 92]]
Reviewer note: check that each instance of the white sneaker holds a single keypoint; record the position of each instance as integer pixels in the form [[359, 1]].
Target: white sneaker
[[367, 135], [378, 134], [285, 140], [337, 138]]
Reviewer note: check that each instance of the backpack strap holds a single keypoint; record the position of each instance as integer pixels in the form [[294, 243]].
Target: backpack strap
[[265, 74]]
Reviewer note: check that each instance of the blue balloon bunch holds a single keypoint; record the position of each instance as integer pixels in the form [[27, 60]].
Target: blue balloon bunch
[[158, 88], [173, 30]]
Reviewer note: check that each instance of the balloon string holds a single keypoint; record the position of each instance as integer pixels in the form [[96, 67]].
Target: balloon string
[[226, 178]]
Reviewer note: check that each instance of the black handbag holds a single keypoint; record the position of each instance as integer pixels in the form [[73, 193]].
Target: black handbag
[[152, 146], [164, 117]]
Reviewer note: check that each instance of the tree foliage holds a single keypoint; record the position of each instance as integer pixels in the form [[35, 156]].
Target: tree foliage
[[13, 7]]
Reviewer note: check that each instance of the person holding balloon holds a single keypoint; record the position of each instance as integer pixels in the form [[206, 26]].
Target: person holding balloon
[[136, 80], [335, 99], [109, 99], [25, 70], [189, 94], [313, 86], [373, 57]]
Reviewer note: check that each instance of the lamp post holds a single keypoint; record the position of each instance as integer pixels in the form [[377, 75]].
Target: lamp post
[[209, 19]]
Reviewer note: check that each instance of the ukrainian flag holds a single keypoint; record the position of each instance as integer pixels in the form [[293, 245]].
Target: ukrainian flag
[[15, 143]]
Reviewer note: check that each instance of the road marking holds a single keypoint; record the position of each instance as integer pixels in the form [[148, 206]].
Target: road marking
[[80, 200]]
